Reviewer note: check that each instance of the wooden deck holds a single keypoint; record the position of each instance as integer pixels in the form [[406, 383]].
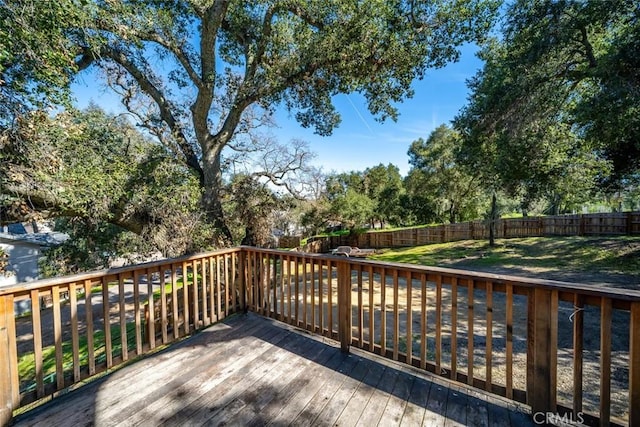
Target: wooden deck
[[251, 370]]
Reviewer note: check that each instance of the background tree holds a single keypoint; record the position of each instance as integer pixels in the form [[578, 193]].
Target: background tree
[[531, 126], [107, 179], [444, 191], [202, 76], [37, 54], [383, 185]]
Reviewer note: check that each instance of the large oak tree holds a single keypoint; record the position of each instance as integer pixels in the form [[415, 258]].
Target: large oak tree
[[202, 76]]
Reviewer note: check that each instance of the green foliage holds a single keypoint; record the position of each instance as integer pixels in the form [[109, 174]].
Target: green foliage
[[250, 207], [383, 185], [202, 76], [4, 260], [115, 191], [439, 188], [37, 53], [352, 208], [548, 116]]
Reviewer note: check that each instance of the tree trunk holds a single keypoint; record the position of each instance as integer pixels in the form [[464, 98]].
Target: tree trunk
[[212, 193]]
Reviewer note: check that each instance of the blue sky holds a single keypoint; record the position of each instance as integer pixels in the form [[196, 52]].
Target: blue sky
[[360, 141]]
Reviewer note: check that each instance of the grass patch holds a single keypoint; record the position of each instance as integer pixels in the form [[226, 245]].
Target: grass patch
[[618, 255], [26, 362]]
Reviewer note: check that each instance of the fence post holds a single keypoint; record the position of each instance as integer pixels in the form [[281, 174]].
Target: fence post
[[541, 357], [344, 305], [9, 392]]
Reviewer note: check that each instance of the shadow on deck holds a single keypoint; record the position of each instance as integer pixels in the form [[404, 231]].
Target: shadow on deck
[[250, 370]]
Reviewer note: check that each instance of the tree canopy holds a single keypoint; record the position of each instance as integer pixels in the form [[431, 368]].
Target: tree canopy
[[442, 189], [202, 76], [553, 111]]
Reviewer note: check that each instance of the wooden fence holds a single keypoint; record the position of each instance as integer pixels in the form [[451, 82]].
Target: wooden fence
[[558, 347], [599, 224]]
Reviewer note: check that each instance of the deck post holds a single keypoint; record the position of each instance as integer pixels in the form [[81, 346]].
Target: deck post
[[541, 362], [9, 393], [634, 365], [344, 305], [242, 274]]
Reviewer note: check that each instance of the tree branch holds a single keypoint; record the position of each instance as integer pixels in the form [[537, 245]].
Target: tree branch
[[161, 102]]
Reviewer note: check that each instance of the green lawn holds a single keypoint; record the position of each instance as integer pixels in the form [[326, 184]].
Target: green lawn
[[613, 255], [26, 362]]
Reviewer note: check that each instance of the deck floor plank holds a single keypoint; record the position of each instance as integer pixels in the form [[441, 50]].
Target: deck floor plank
[[186, 384], [255, 371], [340, 399], [417, 402], [397, 403], [378, 402], [367, 387]]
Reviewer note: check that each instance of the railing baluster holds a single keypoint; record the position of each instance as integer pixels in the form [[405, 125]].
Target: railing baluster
[[136, 312], [423, 321], [578, 345], [313, 294], [509, 343], [360, 308], [305, 320], [151, 327], [296, 304], [330, 298], [321, 297], [106, 317], [396, 315], [227, 285], [634, 365], [409, 311], [219, 314], [75, 339], [605, 361], [206, 317], [372, 309], [57, 332], [470, 331], [454, 328], [383, 312], [267, 283], [234, 286], [553, 346], [9, 381], [37, 341], [163, 306], [123, 319], [196, 305], [185, 298], [88, 311], [488, 350], [174, 301], [438, 360]]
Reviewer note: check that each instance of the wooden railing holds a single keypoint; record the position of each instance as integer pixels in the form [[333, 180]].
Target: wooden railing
[[563, 349], [83, 325], [568, 350]]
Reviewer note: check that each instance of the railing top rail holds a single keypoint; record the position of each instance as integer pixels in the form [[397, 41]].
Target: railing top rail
[[583, 289], [21, 288]]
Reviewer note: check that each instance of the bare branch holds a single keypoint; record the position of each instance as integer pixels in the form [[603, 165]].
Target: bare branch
[[164, 106]]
